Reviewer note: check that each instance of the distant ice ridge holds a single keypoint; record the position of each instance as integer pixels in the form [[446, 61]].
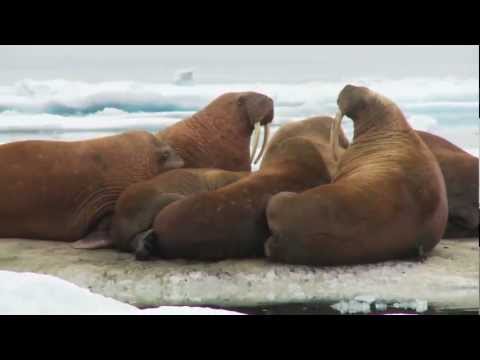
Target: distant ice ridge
[[450, 98], [447, 107], [106, 120], [38, 294]]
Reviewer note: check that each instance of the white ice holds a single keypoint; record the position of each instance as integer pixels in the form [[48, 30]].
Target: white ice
[[37, 294], [61, 109], [416, 95]]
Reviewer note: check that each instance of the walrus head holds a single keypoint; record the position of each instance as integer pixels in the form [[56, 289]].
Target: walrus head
[[353, 101], [220, 134], [259, 110]]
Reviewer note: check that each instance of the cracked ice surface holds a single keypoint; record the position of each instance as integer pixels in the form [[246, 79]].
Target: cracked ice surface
[[448, 278]]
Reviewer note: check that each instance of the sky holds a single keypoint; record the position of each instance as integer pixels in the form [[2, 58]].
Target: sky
[[234, 63]]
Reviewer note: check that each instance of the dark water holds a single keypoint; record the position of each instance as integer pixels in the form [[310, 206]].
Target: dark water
[[326, 309]]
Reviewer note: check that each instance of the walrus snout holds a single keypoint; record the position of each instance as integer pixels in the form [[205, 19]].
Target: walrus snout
[[260, 112], [259, 107], [353, 99]]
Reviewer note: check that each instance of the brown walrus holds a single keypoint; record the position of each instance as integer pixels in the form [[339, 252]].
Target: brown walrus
[[460, 171], [141, 202], [63, 191], [60, 190], [230, 222], [218, 136], [387, 199]]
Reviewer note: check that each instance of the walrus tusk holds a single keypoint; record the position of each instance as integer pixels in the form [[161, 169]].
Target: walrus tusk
[[334, 131], [256, 137], [266, 133]]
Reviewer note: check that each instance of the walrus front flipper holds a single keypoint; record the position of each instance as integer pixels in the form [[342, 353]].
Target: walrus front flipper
[[144, 245], [96, 240]]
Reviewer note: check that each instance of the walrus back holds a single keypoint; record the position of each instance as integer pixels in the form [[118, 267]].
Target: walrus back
[[57, 189], [317, 128], [387, 199], [231, 222]]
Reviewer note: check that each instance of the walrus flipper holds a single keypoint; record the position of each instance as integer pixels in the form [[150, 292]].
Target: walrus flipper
[[144, 245], [96, 240]]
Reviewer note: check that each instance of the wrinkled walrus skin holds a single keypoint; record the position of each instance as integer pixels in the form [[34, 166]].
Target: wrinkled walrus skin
[[460, 171], [57, 190], [141, 202], [387, 199], [218, 136], [230, 222]]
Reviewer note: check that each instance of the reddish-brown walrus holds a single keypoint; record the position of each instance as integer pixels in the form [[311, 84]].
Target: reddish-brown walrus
[[230, 222], [141, 202], [387, 199], [59, 190], [460, 170], [218, 136], [62, 191]]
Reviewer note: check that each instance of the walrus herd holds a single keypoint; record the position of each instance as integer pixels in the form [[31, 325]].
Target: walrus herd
[[188, 191]]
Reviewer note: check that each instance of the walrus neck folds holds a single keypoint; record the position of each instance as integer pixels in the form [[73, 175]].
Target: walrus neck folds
[[199, 137], [376, 119]]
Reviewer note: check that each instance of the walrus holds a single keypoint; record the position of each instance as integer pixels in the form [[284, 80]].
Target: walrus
[[60, 190], [460, 171], [230, 222], [218, 136], [387, 199], [141, 202]]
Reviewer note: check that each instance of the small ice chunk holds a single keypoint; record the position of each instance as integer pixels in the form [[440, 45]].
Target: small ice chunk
[[365, 298], [341, 306], [351, 307], [380, 306], [417, 305], [421, 306]]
